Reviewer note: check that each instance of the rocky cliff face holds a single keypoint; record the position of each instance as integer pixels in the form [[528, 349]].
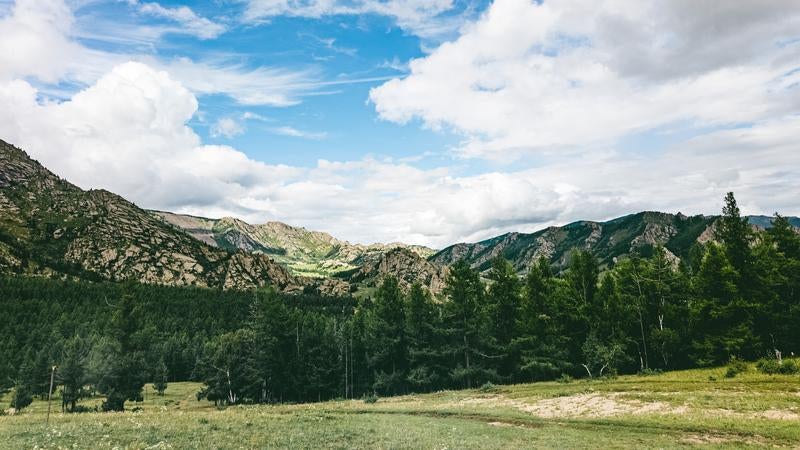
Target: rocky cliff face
[[49, 226], [303, 252], [407, 266]]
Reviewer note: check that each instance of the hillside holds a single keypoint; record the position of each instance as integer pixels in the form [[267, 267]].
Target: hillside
[[608, 241], [303, 252], [51, 227]]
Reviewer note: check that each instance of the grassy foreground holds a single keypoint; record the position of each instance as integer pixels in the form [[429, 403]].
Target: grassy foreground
[[696, 407]]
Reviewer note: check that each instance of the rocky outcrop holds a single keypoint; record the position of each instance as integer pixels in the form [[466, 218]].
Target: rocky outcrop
[[405, 265]]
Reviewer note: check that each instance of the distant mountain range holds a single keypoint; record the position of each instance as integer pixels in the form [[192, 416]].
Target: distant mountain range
[[304, 252], [51, 227], [608, 241]]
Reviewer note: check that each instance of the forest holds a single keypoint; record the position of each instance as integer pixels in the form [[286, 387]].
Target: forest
[[735, 297]]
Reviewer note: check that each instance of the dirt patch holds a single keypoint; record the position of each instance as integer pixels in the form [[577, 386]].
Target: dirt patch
[[500, 424], [699, 439], [613, 404], [579, 405], [779, 414], [595, 405]]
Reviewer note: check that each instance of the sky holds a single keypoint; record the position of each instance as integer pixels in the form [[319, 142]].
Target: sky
[[422, 121]]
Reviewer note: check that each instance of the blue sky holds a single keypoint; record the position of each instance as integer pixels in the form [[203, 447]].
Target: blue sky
[[345, 56], [424, 121]]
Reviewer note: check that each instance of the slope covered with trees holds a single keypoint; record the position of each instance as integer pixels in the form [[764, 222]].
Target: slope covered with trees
[[608, 241], [733, 297]]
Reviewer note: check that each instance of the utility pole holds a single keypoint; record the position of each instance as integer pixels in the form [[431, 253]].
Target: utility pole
[[50, 395]]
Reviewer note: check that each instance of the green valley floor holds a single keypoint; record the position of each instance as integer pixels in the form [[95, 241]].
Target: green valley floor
[[676, 409]]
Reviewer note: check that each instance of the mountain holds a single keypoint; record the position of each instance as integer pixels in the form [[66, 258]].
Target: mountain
[[606, 240], [51, 227], [404, 264], [303, 252]]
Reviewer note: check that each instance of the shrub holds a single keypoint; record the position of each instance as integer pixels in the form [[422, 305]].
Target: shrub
[[648, 372], [22, 397], [488, 387], [790, 367], [772, 366], [83, 409], [564, 379], [768, 365], [735, 367], [371, 398]]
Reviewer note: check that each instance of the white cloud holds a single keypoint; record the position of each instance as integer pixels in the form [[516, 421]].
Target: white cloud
[[36, 41], [226, 127], [529, 77], [127, 130], [421, 17], [39, 41], [128, 133], [294, 132], [191, 23], [259, 86]]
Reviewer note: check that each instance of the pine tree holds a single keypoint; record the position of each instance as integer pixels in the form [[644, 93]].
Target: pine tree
[[389, 352], [427, 368], [540, 339], [71, 373], [465, 316], [735, 233], [722, 319], [160, 378], [126, 375], [503, 306]]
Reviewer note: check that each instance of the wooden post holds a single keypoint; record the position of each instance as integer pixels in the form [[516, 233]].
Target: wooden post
[[50, 395]]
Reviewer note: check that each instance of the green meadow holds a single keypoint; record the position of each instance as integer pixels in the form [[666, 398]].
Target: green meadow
[[675, 409]]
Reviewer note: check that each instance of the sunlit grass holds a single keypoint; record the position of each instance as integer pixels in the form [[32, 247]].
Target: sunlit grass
[[699, 407]]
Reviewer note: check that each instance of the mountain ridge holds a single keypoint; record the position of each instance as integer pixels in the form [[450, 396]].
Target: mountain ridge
[[304, 252], [607, 240], [52, 227]]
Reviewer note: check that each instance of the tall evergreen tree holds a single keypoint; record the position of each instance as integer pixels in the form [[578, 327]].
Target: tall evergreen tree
[[427, 367], [389, 352], [539, 338], [503, 306], [465, 316], [127, 373]]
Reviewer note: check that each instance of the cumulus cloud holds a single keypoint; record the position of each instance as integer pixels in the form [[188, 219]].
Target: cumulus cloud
[[128, 133], [36, 41], [530, 77], [127, 130]]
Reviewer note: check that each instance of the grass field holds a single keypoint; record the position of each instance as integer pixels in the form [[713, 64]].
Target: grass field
[[676, 409]]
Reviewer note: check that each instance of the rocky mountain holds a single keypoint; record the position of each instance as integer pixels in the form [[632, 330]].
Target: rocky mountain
[[51, 227], [303, 252], [404, 264], [606, 240]]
